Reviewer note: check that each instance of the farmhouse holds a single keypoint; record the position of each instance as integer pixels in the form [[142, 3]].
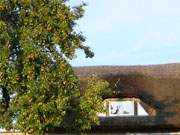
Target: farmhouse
[[143, 99]]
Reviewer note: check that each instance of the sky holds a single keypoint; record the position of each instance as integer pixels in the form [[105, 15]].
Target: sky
[[130, 32]]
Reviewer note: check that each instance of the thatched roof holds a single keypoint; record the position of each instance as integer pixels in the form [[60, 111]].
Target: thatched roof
[[163, 70], [156, 85]]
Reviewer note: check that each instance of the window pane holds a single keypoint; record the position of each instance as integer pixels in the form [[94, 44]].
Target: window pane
[[121, 108], [141, 110]]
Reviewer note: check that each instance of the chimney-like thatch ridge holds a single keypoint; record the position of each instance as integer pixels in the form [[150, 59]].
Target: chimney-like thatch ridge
[[156, 85]]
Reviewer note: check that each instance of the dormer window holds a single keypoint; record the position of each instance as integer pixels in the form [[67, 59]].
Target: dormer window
[[117, 107]]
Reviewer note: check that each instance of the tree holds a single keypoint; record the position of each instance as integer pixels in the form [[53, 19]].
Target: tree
[[38, 88]]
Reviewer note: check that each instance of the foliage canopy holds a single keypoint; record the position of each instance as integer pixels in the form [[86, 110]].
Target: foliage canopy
[[38, 88]]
